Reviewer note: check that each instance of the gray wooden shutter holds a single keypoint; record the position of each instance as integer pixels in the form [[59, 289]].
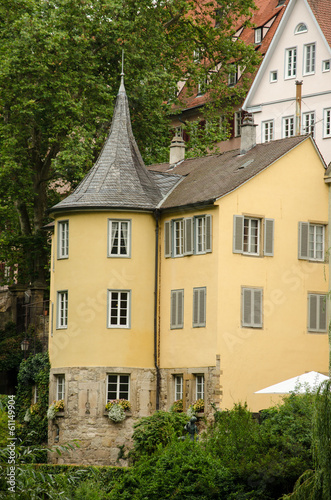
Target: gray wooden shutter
[[269, 237], [195, 307], [202, 307], [312, 312], [322, 313], [238, 231], [257, 294], [208, 233], [177, 309], [246, 307], [173, 312], [188, 236], [180, 308], [167, 239], [303, 240]]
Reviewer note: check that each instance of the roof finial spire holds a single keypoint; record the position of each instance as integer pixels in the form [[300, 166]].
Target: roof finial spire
[[122, 88]]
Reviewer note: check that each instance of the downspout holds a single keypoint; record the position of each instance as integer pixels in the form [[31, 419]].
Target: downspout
[[156, 296], [298, 107]]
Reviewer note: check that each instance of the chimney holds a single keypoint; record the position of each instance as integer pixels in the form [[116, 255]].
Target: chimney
[[248, 134], [177, 150], [298, 107]]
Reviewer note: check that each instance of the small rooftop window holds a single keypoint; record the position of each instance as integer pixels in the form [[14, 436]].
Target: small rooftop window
[[301, 28]]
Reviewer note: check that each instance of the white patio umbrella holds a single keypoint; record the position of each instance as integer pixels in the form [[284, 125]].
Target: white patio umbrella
[[298, 384]]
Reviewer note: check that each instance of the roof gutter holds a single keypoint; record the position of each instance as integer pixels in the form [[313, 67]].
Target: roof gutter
[[156, 316]]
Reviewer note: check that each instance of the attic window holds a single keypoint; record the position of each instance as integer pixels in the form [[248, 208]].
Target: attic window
[[301, 28], [258, 35]]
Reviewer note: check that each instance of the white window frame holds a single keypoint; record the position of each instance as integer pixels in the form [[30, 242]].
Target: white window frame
[[300, 28], [310, 241], [237, 123], [255, 296], [116, 232], [317, 306], [63, 239], [122, 296], [248, 233], [179, 386], [327, 122], [62, 309], [326, 65], [233, 77], [202, 234], [309, 59], [273, 76], [60, 387], [120, 381], [177, 309], [288, 126], [258, 35], [308, 123], [199, 307], [199, 386], [178, 237], [290, 63], [268, 236], [267, 131]]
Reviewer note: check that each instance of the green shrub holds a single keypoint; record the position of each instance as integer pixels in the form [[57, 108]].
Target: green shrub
[[156, 431]]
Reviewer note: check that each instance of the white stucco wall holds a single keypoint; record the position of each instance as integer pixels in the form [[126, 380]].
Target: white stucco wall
[[274, 101]]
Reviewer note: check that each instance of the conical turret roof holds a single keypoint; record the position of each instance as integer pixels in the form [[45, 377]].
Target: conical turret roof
[[119, 178]]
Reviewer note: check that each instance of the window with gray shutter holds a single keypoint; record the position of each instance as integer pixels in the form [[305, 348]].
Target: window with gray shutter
[[208, 233], [199, 307], [177, 309], [238, 232], [269, 237], [188, 236], [252, 307], [317, 317], [303, 240], [167, 239]]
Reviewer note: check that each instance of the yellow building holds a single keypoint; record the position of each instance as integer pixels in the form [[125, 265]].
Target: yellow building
[[204, 279]]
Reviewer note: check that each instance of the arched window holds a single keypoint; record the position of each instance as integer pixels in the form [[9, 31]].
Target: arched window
[[301, 28]]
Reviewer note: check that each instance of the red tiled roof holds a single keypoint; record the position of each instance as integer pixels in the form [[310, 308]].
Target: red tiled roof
[[266, 10], [322, 11]]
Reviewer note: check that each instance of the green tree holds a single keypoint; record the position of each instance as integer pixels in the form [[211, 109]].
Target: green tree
[[60, 62]]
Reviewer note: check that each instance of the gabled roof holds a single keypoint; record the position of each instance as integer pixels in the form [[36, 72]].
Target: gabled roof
[[267, 11], [209, 178], [119, 178], [321, 12]]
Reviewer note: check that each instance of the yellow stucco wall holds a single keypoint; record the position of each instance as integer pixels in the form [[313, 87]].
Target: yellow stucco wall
[[87, 275], [189, 347], [289, 191]]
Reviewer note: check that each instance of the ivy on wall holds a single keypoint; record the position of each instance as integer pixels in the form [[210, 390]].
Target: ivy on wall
[[33, 376]]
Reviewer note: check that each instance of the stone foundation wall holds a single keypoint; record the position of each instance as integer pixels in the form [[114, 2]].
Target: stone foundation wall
[[84, 417]]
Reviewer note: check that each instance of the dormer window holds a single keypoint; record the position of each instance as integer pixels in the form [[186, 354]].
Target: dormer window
[[301, 28], [258, 35]]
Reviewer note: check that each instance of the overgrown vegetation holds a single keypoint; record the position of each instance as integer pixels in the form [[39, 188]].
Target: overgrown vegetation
[[33, 378], [238, 458]]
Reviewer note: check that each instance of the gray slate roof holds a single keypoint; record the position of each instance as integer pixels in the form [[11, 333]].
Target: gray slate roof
[[208, 178], [119, 178]]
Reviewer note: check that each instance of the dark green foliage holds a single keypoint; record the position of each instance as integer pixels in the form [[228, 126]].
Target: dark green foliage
[[10, 348], [34, 371], [151, 433], [316, 484], [181, 471]]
